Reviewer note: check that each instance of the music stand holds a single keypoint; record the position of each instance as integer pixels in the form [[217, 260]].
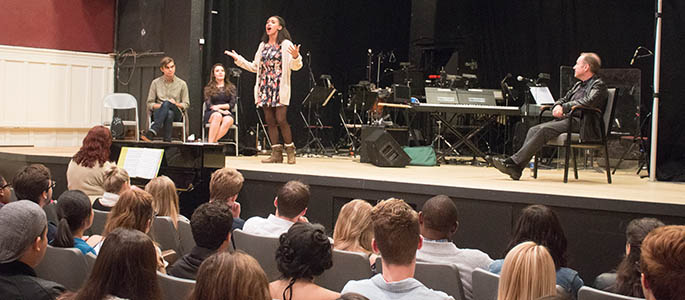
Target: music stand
[[317, 95]]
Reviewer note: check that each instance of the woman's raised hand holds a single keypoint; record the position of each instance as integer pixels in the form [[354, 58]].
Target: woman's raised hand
[[294, 51], [232, 54]]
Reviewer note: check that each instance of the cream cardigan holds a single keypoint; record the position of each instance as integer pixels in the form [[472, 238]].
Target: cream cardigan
[[289, 64]]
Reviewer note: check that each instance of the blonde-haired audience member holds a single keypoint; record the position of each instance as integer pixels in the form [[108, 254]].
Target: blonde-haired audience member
[[224, 186], [165, 198], [116, 182], [397, 237], [527, 273], [226, 276], [353, 230]]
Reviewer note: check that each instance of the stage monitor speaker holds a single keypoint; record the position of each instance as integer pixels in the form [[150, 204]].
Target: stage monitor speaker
[[382, 150]]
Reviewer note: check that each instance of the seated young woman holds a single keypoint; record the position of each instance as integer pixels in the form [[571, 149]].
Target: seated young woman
[[75, 216], [125, 269], [165, 198], [353, 231], [527, 273], [304, 253], [219, 94], [116, 182], [86, 170], [226, 276]]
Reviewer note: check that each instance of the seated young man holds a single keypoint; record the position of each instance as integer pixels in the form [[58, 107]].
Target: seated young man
[[211, 226], [438, 222], [396, 236], [662, 263], [291, 204], [23, 242], [224, 187], [34, 183]]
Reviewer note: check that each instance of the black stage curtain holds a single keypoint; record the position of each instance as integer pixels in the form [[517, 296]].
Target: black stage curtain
[[518, 37]]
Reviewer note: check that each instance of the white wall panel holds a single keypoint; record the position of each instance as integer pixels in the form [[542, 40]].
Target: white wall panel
[[51, 97]]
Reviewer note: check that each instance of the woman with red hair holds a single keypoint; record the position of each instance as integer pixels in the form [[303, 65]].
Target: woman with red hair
[[86, 170]]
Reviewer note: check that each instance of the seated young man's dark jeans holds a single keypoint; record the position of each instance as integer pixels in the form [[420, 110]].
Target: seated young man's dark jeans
[[163, 118]]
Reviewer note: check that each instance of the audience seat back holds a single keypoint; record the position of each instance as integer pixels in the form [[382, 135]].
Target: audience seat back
[[263, 249], [164, 233], [588, 293], [99, 220], [174, 288], [66, 266], [346, 266], [185, 235], [485, 284], [439, 277]]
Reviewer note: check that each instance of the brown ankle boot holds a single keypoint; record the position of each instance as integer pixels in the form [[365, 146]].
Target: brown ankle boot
[[290, 150], [276, 155]]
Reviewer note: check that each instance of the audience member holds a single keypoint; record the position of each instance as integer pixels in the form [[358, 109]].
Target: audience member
[[125, 269], [116, 182], [23, 236], [35, 183], [167, 99], [75, 217], [291, 204], [225, 276], [539, 224], [353, 230], [132, 211], [397, 237], [165, 198], [86, 170], [304, 253], [211, 226], [626, 279], [224, 186], [662, 263], [439, 223], [352, 296], [527, 273], [5, 191]]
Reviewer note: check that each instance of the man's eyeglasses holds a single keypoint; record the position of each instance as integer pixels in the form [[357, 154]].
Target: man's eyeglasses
[[52, 185]]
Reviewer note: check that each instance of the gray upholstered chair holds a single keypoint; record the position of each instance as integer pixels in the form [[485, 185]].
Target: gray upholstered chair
[[66, 266], [263, 249], [346, 266], [174, 288], [588, 293]]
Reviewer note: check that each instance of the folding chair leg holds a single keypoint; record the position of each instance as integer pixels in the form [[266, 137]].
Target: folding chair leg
[[608, 165], [535, 165], [575, 164], [567, 154]]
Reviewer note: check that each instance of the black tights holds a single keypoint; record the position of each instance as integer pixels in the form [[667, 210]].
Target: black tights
[[276, 117]]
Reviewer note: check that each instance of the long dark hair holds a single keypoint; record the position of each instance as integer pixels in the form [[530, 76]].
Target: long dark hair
[[627, 273], [95, 147], [73, 211], [126, 267], [283, 34], [211, 89], [539, 223]]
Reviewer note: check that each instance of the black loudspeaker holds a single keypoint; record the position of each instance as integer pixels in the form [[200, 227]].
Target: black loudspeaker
[[382, 150]]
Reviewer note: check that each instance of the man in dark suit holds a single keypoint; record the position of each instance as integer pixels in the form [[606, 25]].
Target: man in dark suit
[[589, 91]]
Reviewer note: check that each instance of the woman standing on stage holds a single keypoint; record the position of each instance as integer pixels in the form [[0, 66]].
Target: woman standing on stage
[[273, 62], [219, 97]]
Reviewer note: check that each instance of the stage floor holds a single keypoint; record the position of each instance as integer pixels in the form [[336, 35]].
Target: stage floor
[[591, 184]]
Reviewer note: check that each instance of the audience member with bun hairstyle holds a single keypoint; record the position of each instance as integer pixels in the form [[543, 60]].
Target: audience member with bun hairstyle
[[116, 182], [353, 230], [304, 253], [226, 276], [539, 224], [125, 269], [527, 273], [626, 280], [165, 198], [75, 216], [86, 170]]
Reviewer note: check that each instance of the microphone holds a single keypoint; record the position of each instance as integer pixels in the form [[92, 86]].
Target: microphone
[[632, 60], [521, 78], [309, 54]]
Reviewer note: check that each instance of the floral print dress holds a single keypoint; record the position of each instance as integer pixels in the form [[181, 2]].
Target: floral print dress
[[270, 76]]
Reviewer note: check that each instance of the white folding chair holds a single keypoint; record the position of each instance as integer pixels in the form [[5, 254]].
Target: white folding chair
[[123, 101], [234, 127]]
